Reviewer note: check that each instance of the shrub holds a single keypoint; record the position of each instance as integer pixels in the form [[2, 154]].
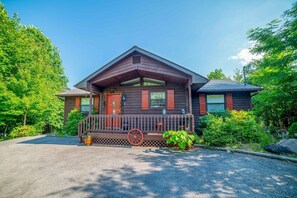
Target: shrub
[[40, 126], [274, 131], [239, 127], [204, 120], [179, 138], [74, 117], [292, 129], [22, 131]]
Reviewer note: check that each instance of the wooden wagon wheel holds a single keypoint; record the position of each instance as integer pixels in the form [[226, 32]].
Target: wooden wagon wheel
[[135, 137]]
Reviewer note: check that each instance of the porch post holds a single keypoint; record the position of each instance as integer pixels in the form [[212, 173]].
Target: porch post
[[100, 102], [190, 98], [91, 100]]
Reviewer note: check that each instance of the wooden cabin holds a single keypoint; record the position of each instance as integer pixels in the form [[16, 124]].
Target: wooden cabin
[[139, 95]]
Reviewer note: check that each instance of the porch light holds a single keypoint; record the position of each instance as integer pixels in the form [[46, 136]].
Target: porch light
[[164, 112], [183, 111], [124, 97]]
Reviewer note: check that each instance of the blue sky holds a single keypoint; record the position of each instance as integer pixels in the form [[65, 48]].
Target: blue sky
[[201, 35]]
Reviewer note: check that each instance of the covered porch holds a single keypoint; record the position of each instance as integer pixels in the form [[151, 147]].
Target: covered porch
[[118, 127], [143, 94]]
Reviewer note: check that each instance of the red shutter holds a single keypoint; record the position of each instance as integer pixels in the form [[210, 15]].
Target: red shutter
[[229, 101], [202, 103], [145, 100], [170, 99], [96, 104], [77, 103]]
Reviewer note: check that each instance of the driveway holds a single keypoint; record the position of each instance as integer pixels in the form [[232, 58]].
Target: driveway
[[58, 167]]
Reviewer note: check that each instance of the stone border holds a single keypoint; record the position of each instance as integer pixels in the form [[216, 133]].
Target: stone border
[[267, 155]]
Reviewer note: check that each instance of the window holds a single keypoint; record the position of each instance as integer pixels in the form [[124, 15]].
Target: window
[[131, 83], [152, 82], [135, 59], [142, 82], [215, 103], [85, 105], [157, 99]]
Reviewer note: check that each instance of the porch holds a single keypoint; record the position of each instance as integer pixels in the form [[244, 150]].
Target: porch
[[115, 129]]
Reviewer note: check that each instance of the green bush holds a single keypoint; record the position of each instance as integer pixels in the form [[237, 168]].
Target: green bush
[[22, 131], [239, 127], [74, 117], [179, 138], [204, 120], [292, 129]]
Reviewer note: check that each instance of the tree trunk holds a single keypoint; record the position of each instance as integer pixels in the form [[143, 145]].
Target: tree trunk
[[5, 130], [25, 119]]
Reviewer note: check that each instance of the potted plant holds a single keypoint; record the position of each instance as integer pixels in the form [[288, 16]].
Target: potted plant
[[88, 140]]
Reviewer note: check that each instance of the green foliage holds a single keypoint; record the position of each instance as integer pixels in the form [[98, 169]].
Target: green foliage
[[217, 74], [238, 75], [276, 72], [292, 129], [31, 73], [23, 131], [179, 138], [204, 120], [239, 127], [74, 117]]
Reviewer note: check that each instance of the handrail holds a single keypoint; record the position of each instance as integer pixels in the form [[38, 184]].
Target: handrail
[[147, 123]]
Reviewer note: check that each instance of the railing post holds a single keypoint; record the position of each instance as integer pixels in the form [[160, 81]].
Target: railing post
[[193, 123], [79, 127]]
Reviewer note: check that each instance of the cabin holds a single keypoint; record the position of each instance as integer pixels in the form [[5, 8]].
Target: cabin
[[138, 95]]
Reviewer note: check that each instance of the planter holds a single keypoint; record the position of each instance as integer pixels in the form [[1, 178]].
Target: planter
[[88, 141]]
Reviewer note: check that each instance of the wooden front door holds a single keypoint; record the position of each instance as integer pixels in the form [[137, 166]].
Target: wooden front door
[[113, 107]]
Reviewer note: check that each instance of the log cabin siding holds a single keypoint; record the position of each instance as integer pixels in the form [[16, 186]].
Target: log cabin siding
[[145, 67], [242, 101], [134, 100], [69, 105]]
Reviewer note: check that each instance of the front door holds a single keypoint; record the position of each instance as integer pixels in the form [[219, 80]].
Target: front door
[[113, 107]]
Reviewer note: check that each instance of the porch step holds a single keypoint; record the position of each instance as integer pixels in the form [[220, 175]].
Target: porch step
[[120, 139]]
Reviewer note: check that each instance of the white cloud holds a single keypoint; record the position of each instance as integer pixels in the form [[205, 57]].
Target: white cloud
[[244, 56]]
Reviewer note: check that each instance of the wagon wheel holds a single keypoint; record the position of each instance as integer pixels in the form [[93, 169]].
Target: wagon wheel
[[135, 137]]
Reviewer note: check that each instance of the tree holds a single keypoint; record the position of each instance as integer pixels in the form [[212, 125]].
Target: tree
[[276, 71], [31, 73], [238, 75], [217, 74]]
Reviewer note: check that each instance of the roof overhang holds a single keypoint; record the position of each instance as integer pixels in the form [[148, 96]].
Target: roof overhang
[[73, 93], [135, 73], [216, 86], [196, 78]]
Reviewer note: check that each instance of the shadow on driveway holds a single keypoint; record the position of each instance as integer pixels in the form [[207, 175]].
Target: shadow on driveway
[[52, 140], [201, 173]]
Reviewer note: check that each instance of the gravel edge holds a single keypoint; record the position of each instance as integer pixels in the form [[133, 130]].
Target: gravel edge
[[267, 155]]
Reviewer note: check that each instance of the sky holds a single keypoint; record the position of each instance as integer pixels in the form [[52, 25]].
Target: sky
[[201, 35]]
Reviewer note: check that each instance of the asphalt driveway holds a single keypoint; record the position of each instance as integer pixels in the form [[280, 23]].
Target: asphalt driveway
[[58, 167]]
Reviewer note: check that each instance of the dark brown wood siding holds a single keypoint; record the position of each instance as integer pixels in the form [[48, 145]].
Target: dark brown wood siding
[[241, 101], [148, 67], [146, 63], [134, 98], [68, 106]]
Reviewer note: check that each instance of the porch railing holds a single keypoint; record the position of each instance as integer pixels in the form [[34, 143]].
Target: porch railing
[[146, 123]]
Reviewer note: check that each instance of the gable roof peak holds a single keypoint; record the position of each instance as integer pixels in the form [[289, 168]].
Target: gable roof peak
[[196, 78]]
